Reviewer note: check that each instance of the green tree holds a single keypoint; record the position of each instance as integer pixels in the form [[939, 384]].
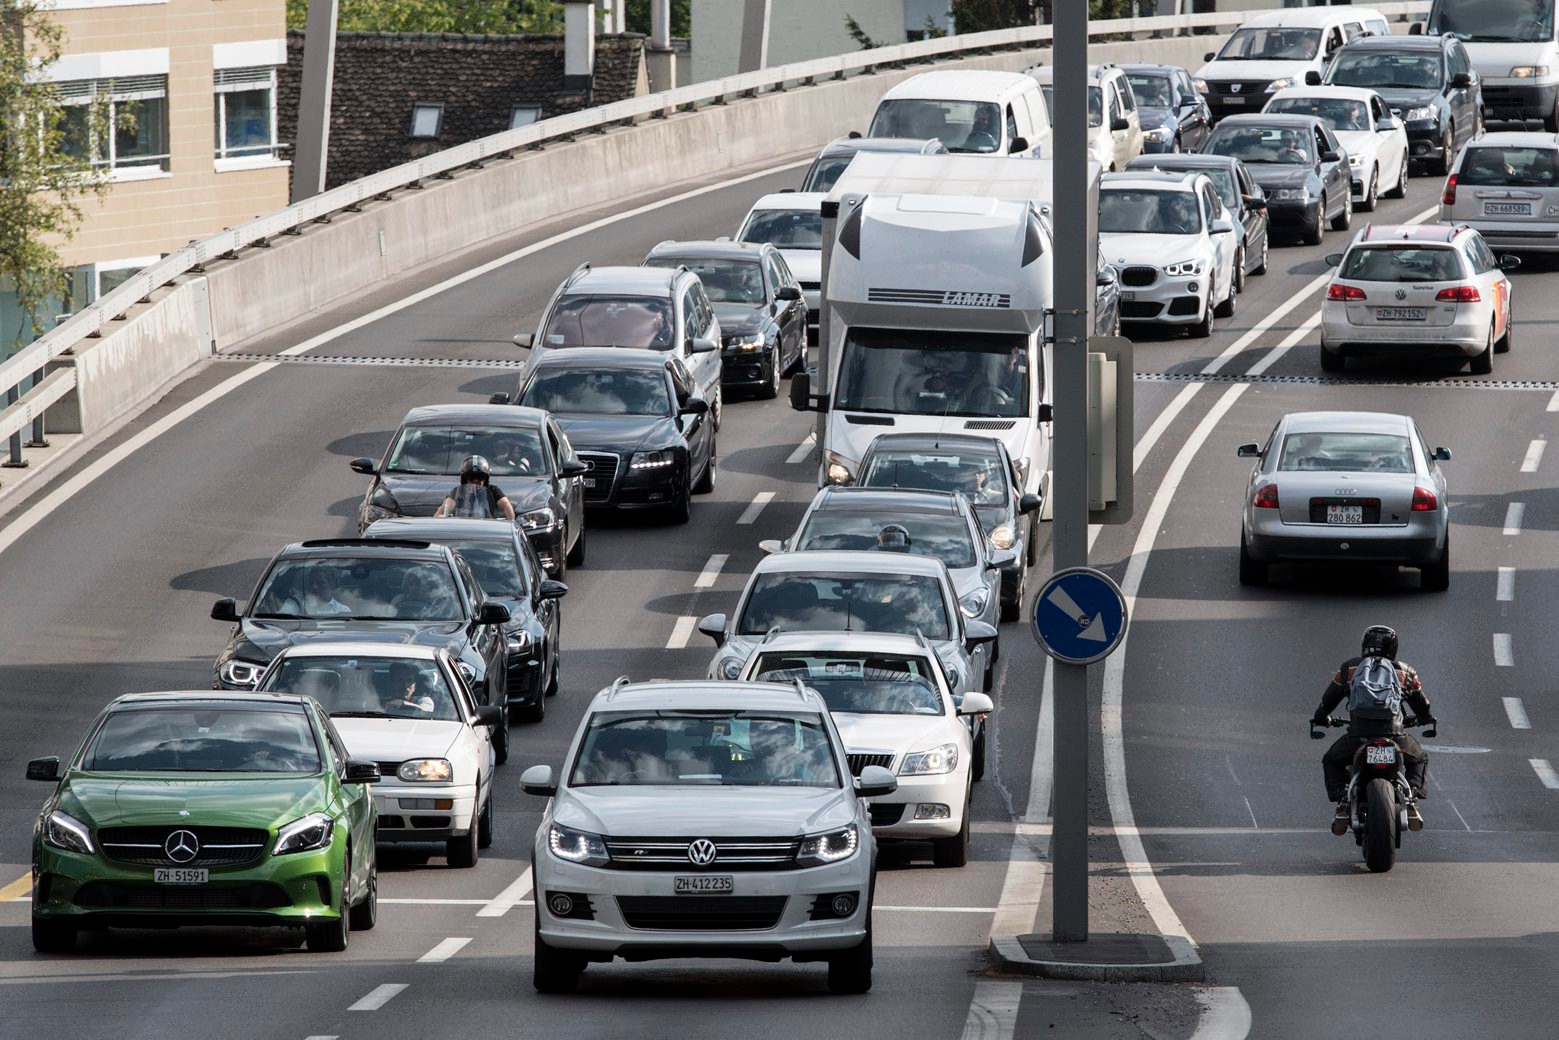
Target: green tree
[[46, 152], [971, 16], [858, 34], [638, 17], [434, 16]]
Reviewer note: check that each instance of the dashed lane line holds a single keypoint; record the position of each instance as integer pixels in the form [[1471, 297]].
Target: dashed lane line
[[993, 1013], [1225, 1015], [1517, 713], [750, 514], [443, 951], [804, 449], [509, 898], [1504, 656], [1553, 402], [1545, 773], [706, 577], [17, 889], [1514, 514], [332, 1036], [1505, 585], [1534, 456], [436, 902], [378, 997], [681, 632]]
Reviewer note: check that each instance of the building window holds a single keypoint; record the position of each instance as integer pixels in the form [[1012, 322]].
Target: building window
[[523, 115], [137, 118], [246, 112], [427, 118]]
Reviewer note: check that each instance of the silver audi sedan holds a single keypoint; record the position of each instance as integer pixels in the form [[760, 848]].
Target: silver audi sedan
[[1346, 486]]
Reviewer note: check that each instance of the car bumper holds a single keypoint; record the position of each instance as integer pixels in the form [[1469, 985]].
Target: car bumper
[[1519, 99], [1417, 543], [410, 812], [1466, 336], [1290, 214], [640, 489], [1424, 140], [746, 368], [1503, 236], [1168, 301], [525, 678], [906, 814]]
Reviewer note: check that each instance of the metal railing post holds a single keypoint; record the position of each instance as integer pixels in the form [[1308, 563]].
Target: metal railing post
[[14, 458], [38, 440]]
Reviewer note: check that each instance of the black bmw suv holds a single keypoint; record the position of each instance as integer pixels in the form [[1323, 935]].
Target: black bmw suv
[[395, 591]]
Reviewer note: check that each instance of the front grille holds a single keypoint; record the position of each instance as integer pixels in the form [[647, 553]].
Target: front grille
[[388, 770], [1247, 88], [603, 470], [1139, 310], [990, 424], [731, 854], [218, 846], [702, 913], [1138, 275], [1318, 510], [113, 895], [860, 761], [886, 815], [520, 678]]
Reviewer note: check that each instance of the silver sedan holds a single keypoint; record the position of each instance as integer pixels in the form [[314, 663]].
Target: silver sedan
[[1346, 486]]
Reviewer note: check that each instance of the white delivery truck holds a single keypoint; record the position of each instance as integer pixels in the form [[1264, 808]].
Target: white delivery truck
[[936, 292]]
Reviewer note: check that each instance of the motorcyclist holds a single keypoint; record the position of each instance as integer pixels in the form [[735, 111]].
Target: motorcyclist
[[1378, 641], [893, 538], [476, 497]]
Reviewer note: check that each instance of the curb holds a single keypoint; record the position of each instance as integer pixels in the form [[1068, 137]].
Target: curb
[[1186, 967]]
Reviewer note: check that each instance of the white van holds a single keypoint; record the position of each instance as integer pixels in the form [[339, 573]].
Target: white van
[[1511, 44], [968, 110], [1273, 51]]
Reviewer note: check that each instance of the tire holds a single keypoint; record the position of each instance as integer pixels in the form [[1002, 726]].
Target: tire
[[463, 853], [1380, 826], [484, 822], [954, 851], [366, 913], [1204, 328], [717, 408], [1502, 345], [1314, 234], [1399, 191], [333, 936], [1551, 120], [1227, 308], [1252, 571], [1237, 273], [554, 970], [1367, 200], [977, 757], [1332, 362], [501, 741], [1483, 364], [1032, 548], [770, 388], [52, 936], [530, 713], [576, 555], [1442, 166], [1266, 244], [681, 511], [706, 482], [1012, 607], [850, 971], [1436, 577], [557, 676], [1344, 220]]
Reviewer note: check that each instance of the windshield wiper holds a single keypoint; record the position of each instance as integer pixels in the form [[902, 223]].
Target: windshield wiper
[[362, 617], [364, 715]]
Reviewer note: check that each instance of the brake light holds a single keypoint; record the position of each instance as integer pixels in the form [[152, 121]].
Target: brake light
[[1424, 500], [1344, 292], [1266, 497], [1459, 294], [1449, 197]]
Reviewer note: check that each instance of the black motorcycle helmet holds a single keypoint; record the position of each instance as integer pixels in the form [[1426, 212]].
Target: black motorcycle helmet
[[893, 538], [475, 467], [1379, 641]]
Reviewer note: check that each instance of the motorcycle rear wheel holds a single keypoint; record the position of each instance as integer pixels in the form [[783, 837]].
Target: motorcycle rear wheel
[[1380, 826]]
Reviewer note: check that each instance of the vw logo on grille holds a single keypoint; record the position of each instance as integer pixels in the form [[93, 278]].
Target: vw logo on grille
[[1401, 294], [181, 846], [702, 852]]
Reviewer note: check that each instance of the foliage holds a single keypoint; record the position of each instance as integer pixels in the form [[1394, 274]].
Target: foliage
[[435, 16], [971, 16], [858, 34], [638, 17]]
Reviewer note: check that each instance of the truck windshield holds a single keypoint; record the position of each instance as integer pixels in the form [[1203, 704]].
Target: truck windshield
[[937, 372], [1494, 21]]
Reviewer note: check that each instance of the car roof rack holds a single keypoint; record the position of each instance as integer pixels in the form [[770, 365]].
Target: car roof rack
[[616, 687], [399, 543], [578, 272]]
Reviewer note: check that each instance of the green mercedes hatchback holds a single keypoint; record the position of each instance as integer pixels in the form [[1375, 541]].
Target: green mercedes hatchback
[[206, 808]]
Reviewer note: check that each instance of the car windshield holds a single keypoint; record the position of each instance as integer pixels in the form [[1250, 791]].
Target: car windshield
[[825, 172], [1494, 21], [1509, 164], [346, 589], [961, 126], [1293, 146], [1346, 452], [901, 603], [1095, 103], [911, 372], [725, 281], [1401, 263], [496, 564], [611, 321], [945, 538], [204, 739], [1341, 113], [784, 228], [367, 687], [1150, 91], [705, 747], [1271, 43], [1135, 211], [512, 451], [864, 684], [598, 391], [977, 474], [1385, 70]]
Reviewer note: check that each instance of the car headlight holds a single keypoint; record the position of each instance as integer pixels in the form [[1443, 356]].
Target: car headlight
[[1185, 268], [1292, 194], [730, 668], [519, 639], [832, 847], [1200, 84], [426, 771], [1004, 536], [744, 343], [240, 673], [973, 605], [538, 519], [1414, 115], [1354, 159], [941, 759], [1159, 134], [314, 831], [577, 846], [838, 472], [654, 459], [64, 831], [1528, 71], [1280, 84]]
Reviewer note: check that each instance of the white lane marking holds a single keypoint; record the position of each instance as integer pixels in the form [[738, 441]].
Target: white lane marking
[[1534, 456], [1545, 773], [682, 632], [1513, 515], [378, 997], [109, 462], [509, 898], [1289, 342], [803, 449], [1459, 816], [750, 514], [1517, 713], [1253, 824], [993, 1013], [443, 951], [1505, 587], [1504, 656], [1553, 402], [1301, 295], [706, 577], [1225, 1015], [332, 1036], [435, 902], [1024, 884]]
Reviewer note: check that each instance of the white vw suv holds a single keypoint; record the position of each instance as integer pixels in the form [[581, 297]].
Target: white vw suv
[[705, 819]]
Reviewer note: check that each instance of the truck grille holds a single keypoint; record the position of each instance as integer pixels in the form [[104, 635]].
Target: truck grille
[[702, 913], [731, 854], [217, 846], [860, 760], [603, 470]]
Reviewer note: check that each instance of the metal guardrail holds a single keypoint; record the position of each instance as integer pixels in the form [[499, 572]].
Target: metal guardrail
[[30, 362]]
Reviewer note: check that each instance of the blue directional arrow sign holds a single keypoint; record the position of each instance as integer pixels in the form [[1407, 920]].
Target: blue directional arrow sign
[[1079, 615]]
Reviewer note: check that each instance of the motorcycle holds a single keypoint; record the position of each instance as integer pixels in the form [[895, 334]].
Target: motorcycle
[[1378, 794]]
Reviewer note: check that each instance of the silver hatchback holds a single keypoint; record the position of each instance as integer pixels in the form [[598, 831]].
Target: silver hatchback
[[1359, 487], [1506, 185]]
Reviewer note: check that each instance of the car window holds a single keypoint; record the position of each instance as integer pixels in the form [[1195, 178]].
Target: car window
[[1151, 89], [1352, 31], [204, 739], [706, 747], [349, 686], [509, 450], [977, 475], [825, 172], [962, 126], [362, 589], [1128, 102], [681, 380], [494, 562], [1483, 260], [1210, 203], [1148, 211], [1012, 125], [700, 314], [943, 537], [905, 604], [784, 228], [1286, 145], [724, 280], [611, 321], [1387, 263], [1534, 166], [864, 684], [337, 745], [1115, 104], [1341, 113], [931, 372], [1346, 453], [1389, 70], [598, 391], [786, 276], [1271, 43], [1460, 63]]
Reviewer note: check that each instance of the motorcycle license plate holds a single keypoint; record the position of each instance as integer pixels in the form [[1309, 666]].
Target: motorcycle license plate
[[1380, 756], [1344, 514], [179, 876], [703, 884]]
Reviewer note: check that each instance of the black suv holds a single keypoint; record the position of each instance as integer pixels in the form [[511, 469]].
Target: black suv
[[1428, 79], [395, 591], [634, 418]]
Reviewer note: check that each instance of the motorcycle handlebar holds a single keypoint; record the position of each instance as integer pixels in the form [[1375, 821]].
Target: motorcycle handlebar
[[1431, 725]]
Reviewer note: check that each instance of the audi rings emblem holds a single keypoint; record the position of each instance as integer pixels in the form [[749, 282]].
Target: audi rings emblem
[[181, 846], [589, 465], [702, 852]]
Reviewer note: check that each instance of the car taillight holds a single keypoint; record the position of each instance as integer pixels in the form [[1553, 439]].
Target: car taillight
[[1266, 497], [1344, 292], [1459, 294], [1449, 198], [1424, 500]]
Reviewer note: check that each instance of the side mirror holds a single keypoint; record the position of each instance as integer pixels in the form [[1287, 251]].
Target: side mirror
[[977, 634], [693, 406], [1256, 203], [974, 703], [1507, 262], [1316, 732], [1001, 558], [524, 340], [1416, 29], [1442, 454], [1019, 144], [1029, 502], [574, 467], [853, 134], [1460, 80], [1386, 125], [801, 392], [361, 772], [1043, 412], [493, 614], [1222, 227], [788, 293], [1209, 56], [224, 609], [1333, 259], [552, 589], [1120, 123], [713, 626], [489, 715], [499, 398], [364, 466], [44, 768], [1331, 156], [770, 546], [1312, 78], [702, 345], [875, 782], [1105, 276], [537, 780], [1248, 451]]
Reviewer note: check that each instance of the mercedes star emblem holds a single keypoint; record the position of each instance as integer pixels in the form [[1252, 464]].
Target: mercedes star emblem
[[181, 846], [702, 852]]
